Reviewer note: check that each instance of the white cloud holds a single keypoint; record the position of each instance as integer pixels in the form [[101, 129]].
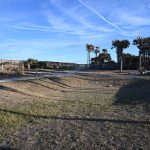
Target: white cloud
[[36, 44], [81, 17], [133, 20], [100, 16], [57, 21]]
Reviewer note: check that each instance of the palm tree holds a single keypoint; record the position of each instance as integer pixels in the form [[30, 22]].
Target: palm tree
[[89, 48], [139, 43], [120, 46], [97, 50]]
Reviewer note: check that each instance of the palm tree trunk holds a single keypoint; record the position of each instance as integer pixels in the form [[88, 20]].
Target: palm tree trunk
[[88, 59], [118, 56]]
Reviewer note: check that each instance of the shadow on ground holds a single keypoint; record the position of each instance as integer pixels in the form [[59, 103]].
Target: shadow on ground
[[76, 118], [135, 92], [7, 148], [10, 89]]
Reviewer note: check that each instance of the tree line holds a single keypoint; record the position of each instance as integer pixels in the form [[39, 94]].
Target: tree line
[[126, 59]]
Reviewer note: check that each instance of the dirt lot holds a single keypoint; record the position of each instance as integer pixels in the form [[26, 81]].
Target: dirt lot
[[77, 112]]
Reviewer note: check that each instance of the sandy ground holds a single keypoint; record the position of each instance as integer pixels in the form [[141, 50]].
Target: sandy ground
[[77, 112]]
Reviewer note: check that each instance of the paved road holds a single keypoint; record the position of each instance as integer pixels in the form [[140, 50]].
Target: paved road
[[41, 75], [46, 74]]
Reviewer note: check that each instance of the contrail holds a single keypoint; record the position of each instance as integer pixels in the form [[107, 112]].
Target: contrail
[[101, 16]]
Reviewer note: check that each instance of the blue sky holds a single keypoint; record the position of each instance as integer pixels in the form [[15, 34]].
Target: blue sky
[[57, 30]]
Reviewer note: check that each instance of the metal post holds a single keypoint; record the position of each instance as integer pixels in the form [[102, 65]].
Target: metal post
[[121, 64], [36, 70], [140, 61]]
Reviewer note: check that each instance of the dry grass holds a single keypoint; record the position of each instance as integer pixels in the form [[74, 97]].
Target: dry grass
[[78, 112]]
